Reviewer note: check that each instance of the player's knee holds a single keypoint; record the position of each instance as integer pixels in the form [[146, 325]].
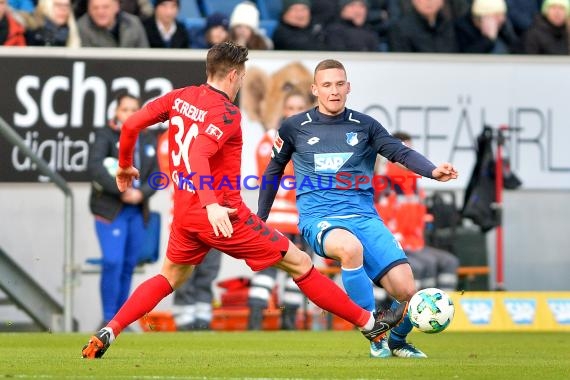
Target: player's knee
[[305, 262], [295, 262], [406, 291], [300, 266], [348, 251], [176, 275]]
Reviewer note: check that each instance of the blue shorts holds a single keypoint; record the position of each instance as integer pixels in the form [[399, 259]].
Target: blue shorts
[[382, 251]]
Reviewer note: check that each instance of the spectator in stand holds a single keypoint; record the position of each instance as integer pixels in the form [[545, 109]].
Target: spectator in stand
[[119, 217], [163, 30], [295, 30], [141, 8], [521, 14], [215, 32], [324, 12], [52, 24], [549, 33], [244, 28], [350, 32], [105, 25], [22, 5], [11, 32], [381, 18], [452, 9], [424, 30], [486, 30]]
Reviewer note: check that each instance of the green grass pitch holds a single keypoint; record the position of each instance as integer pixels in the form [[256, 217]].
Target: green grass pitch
[[293, 355]]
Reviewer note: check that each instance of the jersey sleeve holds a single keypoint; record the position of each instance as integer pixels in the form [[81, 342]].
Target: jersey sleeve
[[152, 113], [201, 150], [284, 144], [395, 150], [281, 152]]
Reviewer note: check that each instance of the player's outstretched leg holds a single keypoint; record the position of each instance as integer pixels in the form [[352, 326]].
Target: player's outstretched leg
[[397, 341], [144, 299]]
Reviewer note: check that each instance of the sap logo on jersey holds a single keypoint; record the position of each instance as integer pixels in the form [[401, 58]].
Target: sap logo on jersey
[[330, 163]]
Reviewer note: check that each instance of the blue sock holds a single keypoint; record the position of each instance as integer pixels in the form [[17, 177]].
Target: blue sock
[[399, 333], [358, 287]]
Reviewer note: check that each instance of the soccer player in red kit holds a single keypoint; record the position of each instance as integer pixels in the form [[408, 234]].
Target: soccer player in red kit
[[205, 142]]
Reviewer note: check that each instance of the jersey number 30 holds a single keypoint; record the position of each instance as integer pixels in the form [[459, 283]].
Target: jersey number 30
[[183, 142]]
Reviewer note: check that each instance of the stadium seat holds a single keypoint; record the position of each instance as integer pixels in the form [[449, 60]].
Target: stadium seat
[[189, 9], [226, 6], [268, 27], [270, 9], [194, 26]]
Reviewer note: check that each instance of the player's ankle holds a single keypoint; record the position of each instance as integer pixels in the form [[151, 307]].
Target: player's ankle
[[115, 328], [369, 324]]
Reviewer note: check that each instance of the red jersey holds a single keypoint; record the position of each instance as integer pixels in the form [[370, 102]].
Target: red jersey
[[283, 215], [205, 144]]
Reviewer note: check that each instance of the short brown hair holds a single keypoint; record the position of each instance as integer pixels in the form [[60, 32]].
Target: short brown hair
[[329, 64], [224, 57]]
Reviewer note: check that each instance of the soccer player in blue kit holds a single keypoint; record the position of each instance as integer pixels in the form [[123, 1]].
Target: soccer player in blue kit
[[334, 149]]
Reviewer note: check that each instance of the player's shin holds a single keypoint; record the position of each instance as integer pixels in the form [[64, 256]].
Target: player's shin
[[359, 287], [145, 297], [327, 295]]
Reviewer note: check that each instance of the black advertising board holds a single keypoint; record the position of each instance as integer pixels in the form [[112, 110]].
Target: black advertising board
[[56, 104]]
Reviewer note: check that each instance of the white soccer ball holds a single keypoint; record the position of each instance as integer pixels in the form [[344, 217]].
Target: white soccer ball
[[431, 310]]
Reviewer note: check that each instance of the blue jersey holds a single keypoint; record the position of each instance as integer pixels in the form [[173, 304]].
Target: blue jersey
[[333, 159]]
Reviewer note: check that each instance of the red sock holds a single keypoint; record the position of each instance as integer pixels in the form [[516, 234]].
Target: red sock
[[328, 296], [145, 297]]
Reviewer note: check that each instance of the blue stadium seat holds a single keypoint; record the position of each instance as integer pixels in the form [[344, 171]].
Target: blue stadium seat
[[223, 6], [268, 27], [194, 25], [189, 9], [270, 9]]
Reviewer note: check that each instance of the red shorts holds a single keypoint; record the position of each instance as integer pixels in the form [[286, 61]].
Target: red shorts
[[260, 245]]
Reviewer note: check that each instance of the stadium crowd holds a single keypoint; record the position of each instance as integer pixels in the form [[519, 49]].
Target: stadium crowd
[[422, 26]]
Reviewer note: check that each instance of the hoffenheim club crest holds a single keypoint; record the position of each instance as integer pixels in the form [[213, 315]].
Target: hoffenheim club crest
[[352, 138]]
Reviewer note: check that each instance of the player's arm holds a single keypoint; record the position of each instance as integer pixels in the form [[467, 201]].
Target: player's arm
[[207, 143], [200, 152], [152, 113], [394, 150], [283, 148]]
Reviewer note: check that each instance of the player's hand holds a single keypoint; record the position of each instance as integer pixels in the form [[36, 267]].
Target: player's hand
[[444, 172], [125, 177], [220, 220], [132, 196]]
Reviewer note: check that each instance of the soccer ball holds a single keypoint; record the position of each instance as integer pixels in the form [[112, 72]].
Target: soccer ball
[[431, 310]]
